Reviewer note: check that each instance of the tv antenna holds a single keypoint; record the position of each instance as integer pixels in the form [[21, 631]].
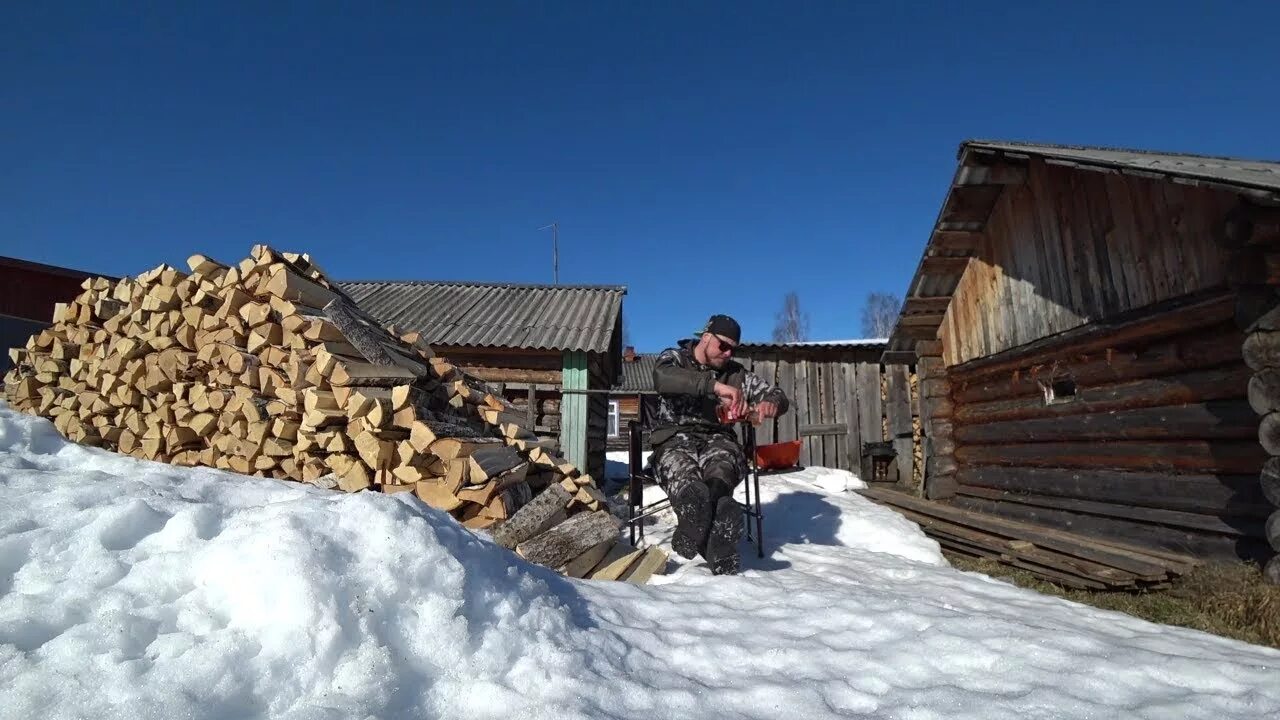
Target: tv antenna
[[555, 251]]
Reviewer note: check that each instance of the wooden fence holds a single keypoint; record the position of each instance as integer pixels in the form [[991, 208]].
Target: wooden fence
[[841, 402]]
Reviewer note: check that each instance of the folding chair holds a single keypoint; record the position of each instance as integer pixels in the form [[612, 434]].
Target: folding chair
[[637, 511]]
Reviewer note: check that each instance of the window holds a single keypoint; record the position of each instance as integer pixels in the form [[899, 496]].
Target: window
[[613, 418], [1060, 390]]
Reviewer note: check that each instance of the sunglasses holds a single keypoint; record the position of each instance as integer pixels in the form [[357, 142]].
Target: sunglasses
[[726, 346]]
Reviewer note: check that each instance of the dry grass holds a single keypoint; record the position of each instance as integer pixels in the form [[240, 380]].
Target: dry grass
[[1230, 600]]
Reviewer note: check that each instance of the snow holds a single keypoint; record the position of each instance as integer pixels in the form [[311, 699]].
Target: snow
[[134, 589]]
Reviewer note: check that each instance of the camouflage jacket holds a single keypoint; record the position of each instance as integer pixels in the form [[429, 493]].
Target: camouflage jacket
[[686, 394]]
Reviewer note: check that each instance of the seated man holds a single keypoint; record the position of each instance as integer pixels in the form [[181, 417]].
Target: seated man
[[697, 458]]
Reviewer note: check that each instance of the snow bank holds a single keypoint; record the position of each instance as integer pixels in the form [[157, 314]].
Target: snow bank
[[133, 589]]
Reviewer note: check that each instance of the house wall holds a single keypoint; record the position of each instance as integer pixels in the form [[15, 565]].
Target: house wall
[[1070, 247], [1156, 445]]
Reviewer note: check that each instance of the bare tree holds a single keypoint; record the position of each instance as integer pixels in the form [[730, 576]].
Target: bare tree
[[793, 324], [880, 314]]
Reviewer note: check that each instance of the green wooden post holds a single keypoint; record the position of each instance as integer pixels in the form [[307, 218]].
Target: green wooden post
[[573, 409]]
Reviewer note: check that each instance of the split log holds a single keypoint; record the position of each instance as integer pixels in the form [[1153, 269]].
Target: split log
[[651, 563], [1273, 530], [534, 518], [491, 461], [569, 539], [617, 562], [584, 563], [437, 494]]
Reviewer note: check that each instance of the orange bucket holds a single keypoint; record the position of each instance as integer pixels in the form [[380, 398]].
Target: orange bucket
[[778, 455]]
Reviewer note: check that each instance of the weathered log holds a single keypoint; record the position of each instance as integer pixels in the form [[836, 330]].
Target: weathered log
[[934, 387], [1271, 572], [1273, 530], [940, 487], [569, 539], [1261, 349], [1264, 391], [1197, 387], [939, 464], [534, 518], [1222, 456], [1269, 433], [1270, 481], [1099, 336], [1111, 365], [1225, 495], [1212, 420]]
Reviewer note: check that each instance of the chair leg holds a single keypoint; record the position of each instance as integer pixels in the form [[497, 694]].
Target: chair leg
[[755, 473]]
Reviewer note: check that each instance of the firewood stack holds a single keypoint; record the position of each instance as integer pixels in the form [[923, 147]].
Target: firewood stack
[[267, 368]]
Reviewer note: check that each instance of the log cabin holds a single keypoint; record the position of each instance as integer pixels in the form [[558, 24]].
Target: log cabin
[[1098, 345], [554, 351]]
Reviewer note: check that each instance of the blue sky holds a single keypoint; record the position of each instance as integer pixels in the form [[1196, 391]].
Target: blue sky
[[709, 156]]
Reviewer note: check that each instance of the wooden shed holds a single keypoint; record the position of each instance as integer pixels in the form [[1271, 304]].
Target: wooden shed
[[28, 293], [552, 350], [1091, 327], [633, 390]]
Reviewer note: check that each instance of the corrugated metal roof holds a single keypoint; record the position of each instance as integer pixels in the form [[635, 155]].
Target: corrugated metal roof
[[1236, 172], [538, 317], [851, 344], [637, 376]]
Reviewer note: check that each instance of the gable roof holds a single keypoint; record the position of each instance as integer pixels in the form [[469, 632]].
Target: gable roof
[[637, 375], [984, 169], [507, 315]]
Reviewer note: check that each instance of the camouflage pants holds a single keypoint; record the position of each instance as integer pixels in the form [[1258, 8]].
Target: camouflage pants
[[710, 458]]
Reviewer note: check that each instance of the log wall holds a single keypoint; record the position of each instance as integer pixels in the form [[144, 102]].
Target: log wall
[[1139, 431]]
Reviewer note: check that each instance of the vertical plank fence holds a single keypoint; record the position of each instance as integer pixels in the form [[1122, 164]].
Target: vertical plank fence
[[846, 407]]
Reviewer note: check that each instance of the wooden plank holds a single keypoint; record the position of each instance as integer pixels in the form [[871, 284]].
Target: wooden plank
[[926, 305], [825, 429], [803, 409], [573, 409], [788, 423], [766, 369], [853, 453], [869, 420], [955, 240], [840, 390], [1132, 561], [898, 413], [827, 411], [1133, 534], [940, 266], [991, 175]]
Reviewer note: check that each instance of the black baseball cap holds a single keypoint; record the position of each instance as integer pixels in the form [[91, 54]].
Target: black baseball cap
[[724, 326]]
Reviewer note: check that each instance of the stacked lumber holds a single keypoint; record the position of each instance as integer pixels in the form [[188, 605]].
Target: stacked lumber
[[1060, 557], [267, 368]]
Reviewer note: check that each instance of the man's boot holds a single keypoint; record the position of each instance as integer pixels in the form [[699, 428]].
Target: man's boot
[[692, 504], [722, 544]]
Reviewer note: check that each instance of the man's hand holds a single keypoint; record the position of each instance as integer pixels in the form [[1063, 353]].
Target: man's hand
[[732, 397], [766, 410]]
